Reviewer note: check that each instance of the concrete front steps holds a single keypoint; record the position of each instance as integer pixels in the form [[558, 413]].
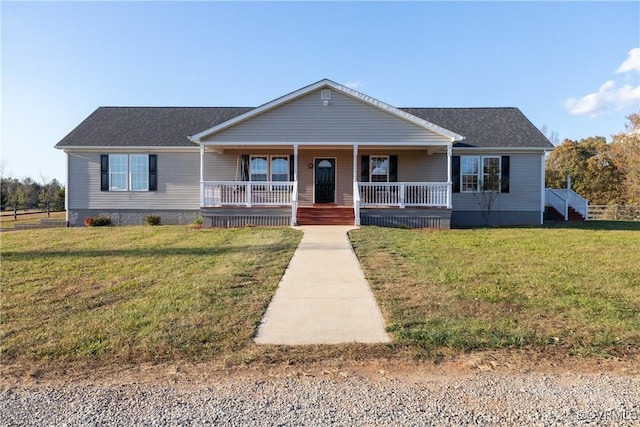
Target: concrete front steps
[[325, 215]]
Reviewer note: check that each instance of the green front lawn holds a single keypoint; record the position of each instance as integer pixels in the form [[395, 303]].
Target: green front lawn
[[567, 288], [137, 293], [169, 294]]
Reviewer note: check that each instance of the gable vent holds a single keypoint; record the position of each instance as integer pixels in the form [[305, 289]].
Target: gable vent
[[325, 96]]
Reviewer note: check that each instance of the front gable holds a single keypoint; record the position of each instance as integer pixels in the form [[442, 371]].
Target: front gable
[[325, 114]]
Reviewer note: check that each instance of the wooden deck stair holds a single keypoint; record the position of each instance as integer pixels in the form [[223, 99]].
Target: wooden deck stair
[[554, 215], [325, 215]]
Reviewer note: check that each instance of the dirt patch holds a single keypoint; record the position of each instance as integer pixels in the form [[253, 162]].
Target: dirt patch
[[189, 375]]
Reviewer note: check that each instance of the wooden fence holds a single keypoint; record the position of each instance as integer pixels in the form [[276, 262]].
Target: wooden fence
[[615, 212], [16, 210]]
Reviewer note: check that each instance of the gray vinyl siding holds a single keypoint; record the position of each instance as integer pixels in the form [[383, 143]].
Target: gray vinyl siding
[[178, 183], [227, 166], [345, 119], [413, 165], [524, 187]]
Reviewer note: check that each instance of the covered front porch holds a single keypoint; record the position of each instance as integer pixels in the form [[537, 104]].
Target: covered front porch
[[334, 182]]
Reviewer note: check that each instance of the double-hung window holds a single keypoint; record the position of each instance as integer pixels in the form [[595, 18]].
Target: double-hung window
[[128, 172], [259, 168], [469, 167], [279, 168], [139, 172], [379, 168], [491, 173], [483, 173], [269, 168], [118, 171]]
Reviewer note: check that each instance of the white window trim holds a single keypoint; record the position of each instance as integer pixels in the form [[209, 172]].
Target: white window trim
[[480, 174], [371, 174], [128, 174]]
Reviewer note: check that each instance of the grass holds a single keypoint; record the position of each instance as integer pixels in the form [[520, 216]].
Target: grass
[[170, 294], [137, 294], [570, 288]]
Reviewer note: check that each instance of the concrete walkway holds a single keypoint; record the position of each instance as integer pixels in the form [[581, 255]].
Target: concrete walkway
[[323, 297]]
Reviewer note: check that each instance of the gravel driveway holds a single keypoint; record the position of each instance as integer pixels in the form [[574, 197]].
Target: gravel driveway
[[487, 398]]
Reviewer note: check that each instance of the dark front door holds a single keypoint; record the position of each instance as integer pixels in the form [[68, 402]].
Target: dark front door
[[325, 180]]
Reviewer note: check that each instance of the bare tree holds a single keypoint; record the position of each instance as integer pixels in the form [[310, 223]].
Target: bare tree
[[552, 135]]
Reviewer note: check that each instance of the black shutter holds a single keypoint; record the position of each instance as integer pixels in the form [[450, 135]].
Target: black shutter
[[104, 172], [153, 172], [364, 169], [393, 168], [455, 173], [504, 174], [291, 167], [245, 167]]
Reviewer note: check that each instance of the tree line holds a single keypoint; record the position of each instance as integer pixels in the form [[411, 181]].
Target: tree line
[[30, 194], [603, 173]]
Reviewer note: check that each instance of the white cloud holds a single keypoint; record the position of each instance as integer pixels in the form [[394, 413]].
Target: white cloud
[[354, 84], [632, 63], [608, 98]]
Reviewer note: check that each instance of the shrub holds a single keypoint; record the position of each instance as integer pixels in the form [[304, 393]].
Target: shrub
[[88, 221], [99, 221], [152, 220], [196, 224]]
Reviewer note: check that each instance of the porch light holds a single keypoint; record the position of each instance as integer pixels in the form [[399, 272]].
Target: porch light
[[310, 165]]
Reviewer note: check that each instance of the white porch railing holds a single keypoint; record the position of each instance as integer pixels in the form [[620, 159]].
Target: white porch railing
[[356, 203], [245, 193], [402, 194], [561, 199]]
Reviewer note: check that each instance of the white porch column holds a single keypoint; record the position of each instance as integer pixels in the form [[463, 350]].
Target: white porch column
[[356, 190], [355, 162], [295, 162], [201, 175], [449, 178], [294, 195]]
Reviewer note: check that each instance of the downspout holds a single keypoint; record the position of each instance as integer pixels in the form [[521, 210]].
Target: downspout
[[543, 193], [66, 190], [449, 178], [202, 176]]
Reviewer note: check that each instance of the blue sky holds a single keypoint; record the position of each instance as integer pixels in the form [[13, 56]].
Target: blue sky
[[573, 67]]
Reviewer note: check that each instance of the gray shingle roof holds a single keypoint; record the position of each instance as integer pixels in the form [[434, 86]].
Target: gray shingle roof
[[146, 126], [171, 126], [485, 127]]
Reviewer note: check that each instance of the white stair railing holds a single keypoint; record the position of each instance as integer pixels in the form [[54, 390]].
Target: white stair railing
[[562, 199]]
